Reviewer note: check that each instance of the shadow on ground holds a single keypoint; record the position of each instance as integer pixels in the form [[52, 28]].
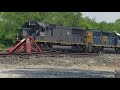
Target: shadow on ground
[[51, 73]]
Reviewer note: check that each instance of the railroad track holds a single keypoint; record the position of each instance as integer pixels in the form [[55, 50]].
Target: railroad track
[[50, 54]]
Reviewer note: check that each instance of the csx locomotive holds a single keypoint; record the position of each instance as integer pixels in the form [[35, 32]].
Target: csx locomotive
[[58, 37]]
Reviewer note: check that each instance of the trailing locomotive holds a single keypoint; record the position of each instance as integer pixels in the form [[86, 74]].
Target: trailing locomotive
[[58, 37]]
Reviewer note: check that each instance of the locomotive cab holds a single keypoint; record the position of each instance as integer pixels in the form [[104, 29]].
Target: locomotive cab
[[32, 29]]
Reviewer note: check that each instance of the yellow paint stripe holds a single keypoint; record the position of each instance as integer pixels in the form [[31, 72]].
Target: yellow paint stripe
[[41, 41]]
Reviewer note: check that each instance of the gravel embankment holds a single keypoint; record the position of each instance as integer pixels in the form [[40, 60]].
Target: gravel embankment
[[93, 66], [105, 60]]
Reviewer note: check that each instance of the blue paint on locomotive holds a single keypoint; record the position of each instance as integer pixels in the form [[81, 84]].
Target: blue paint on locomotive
[[97, 37], [112, 39]]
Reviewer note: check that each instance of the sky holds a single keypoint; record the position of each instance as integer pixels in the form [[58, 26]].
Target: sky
[[103, 16]]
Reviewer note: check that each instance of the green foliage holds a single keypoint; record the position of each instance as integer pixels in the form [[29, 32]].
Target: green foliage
[[2, 46], [11, 21]]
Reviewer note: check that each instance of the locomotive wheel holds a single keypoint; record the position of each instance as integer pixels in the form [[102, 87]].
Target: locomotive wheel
[[45, 47], [117, 50], [96, 49]]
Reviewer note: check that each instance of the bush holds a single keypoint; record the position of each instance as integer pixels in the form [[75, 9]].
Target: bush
[[2, 46]]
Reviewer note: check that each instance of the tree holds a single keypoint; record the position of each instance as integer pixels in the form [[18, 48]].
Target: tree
[[11, 21]]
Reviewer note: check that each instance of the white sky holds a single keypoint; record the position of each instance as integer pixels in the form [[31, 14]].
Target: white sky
[[103, 16]]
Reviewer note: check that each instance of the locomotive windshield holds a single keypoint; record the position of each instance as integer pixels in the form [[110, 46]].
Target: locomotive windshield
[[32, 29]]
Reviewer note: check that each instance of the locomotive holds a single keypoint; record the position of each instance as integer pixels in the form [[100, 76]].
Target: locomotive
[[59, 37]]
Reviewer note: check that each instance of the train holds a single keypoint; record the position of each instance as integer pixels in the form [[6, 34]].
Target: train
[[68, 38]]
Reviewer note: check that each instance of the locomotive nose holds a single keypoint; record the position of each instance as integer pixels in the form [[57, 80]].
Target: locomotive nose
[[30, 28], [32, 25]]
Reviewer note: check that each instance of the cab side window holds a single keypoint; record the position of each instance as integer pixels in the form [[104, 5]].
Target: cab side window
[[51, 32], [43, 29]]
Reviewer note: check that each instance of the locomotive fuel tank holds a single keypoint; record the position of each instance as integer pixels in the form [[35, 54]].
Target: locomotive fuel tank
[[61, 47], [110, 50]]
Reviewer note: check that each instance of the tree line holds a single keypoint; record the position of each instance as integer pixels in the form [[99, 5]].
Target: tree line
[[11, 21]]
